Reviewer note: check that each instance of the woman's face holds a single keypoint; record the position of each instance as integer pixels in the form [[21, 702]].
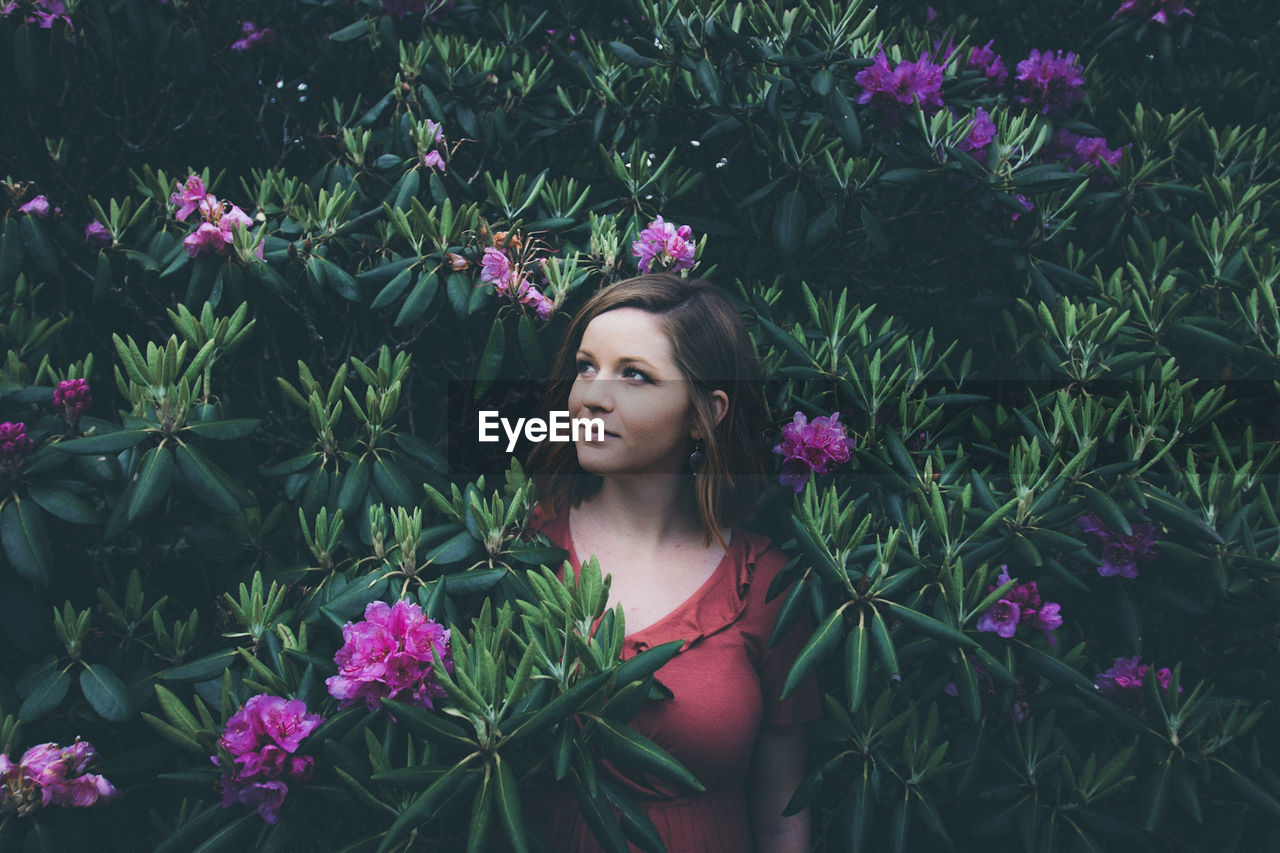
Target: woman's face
[[628, 378]]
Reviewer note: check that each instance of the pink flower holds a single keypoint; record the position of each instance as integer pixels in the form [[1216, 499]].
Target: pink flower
[[390, 654], [1049, 83], [72, 398], [897, 89], [495, 268], [208, 238], [43, 12], [1125, 677], [38, 207], [1120, 554], [669, 246], [1002, 618], [15, 446], [809, 448], [253, 37], [536, 299], [1163, 10], [188, 197], [433, 160], [96, 234], [980, 134], [50, 775], [261, 738]]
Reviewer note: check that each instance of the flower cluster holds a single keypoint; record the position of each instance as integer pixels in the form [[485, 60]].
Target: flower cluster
[[1125, 676], [1077, 151], [389, 655], [52, 775], [220, 219], [260, 740], [662, 242], [1021, 607], [72, 398], [812, 447], [893, 90], [1162, 11], [44, 12], [496, 269], [1049, 82], [434, 134], [980, 133], [252, 36], [1121, 554], [989, 64], [15, 446]]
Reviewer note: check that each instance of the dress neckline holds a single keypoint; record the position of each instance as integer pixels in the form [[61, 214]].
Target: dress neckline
[[713, 580]]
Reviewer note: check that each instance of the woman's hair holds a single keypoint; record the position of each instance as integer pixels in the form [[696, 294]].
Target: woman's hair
[[713, 351]]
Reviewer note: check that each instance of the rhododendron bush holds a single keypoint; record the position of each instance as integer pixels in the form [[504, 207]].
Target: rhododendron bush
[[1012, 273]]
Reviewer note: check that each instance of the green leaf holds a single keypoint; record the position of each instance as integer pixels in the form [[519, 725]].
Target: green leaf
[[394, 287], [509, 809], [151, 483], [429, 725], [560, 707], [930, 626], [817, 648], [226, 430], [418, 300], [424, 806], [233, 836], [789, 223], [47, 694], [26, 541], [355, 483], [206, 481], [855, 664], [111, 442], [106, 693], [355, 30], [37, 244], [63, 504], [630, 56], [391, 481], [628, 746], [883, 642], [202, 669], [491, 358], [647, 662]]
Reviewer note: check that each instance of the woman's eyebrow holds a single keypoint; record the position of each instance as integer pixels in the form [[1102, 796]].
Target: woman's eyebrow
[[624, 360]]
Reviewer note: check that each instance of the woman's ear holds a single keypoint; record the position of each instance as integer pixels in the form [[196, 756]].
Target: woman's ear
[[719, 401]]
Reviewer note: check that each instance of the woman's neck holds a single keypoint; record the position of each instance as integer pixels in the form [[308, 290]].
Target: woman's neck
[[649, 509]]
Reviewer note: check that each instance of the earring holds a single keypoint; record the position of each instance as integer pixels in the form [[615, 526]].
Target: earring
[[695, 457]]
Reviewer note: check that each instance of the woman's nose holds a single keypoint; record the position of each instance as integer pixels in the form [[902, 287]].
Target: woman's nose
[[596, 394]]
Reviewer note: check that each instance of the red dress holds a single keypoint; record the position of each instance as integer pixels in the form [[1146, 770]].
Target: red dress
[[725, 680]]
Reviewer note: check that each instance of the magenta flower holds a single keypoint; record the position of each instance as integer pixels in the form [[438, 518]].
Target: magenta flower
[[50, 775], [252, 36], [15, 446], [1021, 605], [1162, 11], [1080, 151], [536, 299], [893, 90], [433, 160], [664, 245], [989, 64], [1049, 83], [980, 134], [1121, 554], [259, 740], [189, 197], [812, 447], [208, 238], [96, 234], [495, 268], [72, 398], [38, 207], [389, 654], [1125, 678], [42, 12]]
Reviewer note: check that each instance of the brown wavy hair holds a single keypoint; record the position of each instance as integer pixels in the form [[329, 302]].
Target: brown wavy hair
[[714, 352]]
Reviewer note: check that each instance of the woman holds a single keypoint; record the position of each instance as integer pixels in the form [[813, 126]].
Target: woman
[[666, 364]]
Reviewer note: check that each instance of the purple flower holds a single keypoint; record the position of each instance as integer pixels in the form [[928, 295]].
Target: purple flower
[[15, 446], [1002, 618], [43, 12], [189, 197], [989, 64], [495, 268], [215, 234], [260, 740], [72, 398], [253, 37], [1049, 83], [38, 207], [1121, 554], [50, 775], [1080, 151], [433, 160], [390, 654], [809, 448], [980, 134], [96, 234], [895, 90], [662, 242], [1125, 677], [1164, 10]]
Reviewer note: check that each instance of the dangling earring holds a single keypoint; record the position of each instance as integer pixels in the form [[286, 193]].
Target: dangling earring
[[695, 457]]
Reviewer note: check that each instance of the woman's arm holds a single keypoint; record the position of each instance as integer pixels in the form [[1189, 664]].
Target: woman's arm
[[776, 771]]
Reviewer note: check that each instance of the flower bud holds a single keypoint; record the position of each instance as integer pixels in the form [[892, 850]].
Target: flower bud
[[15, 446]]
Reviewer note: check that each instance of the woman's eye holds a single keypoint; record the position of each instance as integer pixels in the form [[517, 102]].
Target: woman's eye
[[583, 366], [632, 372]]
